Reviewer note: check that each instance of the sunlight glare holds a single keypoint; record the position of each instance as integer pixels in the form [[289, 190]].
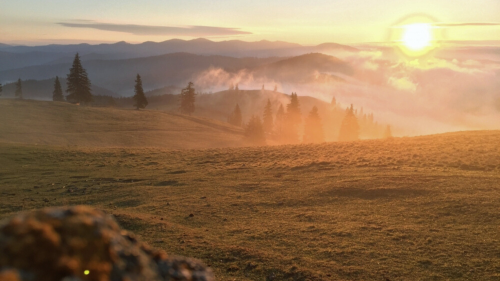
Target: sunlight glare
[[417, 36]]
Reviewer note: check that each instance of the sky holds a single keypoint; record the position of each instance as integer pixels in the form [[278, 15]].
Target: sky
[[35, 22]]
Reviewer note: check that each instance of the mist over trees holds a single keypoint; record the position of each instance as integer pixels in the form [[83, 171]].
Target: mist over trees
[[268, 122], [139, 98], [187, 99], [292, 120], [78, 83], [313, 129], [235, 118], [254, 132], [19, 89], [57, 95], [349, 129]]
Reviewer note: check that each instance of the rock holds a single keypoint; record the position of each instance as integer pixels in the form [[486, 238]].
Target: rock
[[80, 243]]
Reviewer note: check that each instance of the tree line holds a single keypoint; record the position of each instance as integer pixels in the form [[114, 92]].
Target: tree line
[[284, 125]]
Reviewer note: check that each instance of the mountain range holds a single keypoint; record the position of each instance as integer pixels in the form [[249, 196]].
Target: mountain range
[[12, 57]]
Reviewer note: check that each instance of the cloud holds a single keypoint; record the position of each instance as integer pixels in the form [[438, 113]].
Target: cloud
[[195, 31], [467, 24]]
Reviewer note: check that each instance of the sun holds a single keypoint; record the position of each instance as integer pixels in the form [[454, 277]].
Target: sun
[[417, 36]]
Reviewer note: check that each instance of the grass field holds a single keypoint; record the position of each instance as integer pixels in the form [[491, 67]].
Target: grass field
[[424, 208], [64, 124]]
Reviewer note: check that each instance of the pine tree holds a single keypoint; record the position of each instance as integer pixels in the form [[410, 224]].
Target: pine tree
[[254, 132], [313, 130], [235, 118], [78, 83], [388, 133], [57, 95], [1, 89], [139, 98], [349, 129], [268, 118], [292, 120], [187, 99], [279, 123], [19, 89]]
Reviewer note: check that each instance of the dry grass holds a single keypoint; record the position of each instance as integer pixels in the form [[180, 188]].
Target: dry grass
[[425, 208], [63, 124]]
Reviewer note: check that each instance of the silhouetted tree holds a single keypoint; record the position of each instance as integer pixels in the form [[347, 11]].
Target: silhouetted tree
[[268, 118], [187, 99], [1, 89], [280, 121], [349, 129], [78, 83], [292, 120], [313, 130], [237, 88], [254, 132], [387, 132], [139, 98], [235, 117], [19, 89], [57, 95]]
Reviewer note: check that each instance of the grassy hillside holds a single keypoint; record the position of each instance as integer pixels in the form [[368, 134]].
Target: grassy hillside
[[54, 123], [425, 208]]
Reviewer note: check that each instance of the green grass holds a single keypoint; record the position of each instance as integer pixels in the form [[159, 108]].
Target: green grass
[[425, 208]]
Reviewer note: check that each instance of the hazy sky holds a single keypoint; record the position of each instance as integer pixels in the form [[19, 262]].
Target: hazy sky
[[304, 22]]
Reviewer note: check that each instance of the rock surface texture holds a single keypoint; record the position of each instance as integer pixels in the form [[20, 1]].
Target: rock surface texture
[[80, 244]]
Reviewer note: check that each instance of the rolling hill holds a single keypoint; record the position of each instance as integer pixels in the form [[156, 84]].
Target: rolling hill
[[63, 124], [156, 72], [178, 68], [42, 89]]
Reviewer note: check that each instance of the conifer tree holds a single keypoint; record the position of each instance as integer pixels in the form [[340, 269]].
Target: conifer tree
[[1, 89], [19, 89], [292, 120], [57, 95], [349, 129], [78, 83], [139, 98], [254, 132], [387, 132], [268, 118], [187, 99], [280, 121], [235, 117], [263, 87], [313, 130]]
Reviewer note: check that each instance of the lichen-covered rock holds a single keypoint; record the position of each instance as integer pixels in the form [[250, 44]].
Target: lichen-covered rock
[[80, 243]]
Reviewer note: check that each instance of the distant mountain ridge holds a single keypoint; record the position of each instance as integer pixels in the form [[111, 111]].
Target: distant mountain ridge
[[123, 50]]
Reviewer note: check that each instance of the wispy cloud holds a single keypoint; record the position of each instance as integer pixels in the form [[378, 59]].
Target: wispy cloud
[[456, 24], [157, 30]]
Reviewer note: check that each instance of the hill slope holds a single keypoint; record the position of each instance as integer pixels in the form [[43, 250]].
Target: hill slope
[[54, 123], [425, 208]]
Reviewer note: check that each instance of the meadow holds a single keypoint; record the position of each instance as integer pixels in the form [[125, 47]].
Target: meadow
[[420, 208]]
